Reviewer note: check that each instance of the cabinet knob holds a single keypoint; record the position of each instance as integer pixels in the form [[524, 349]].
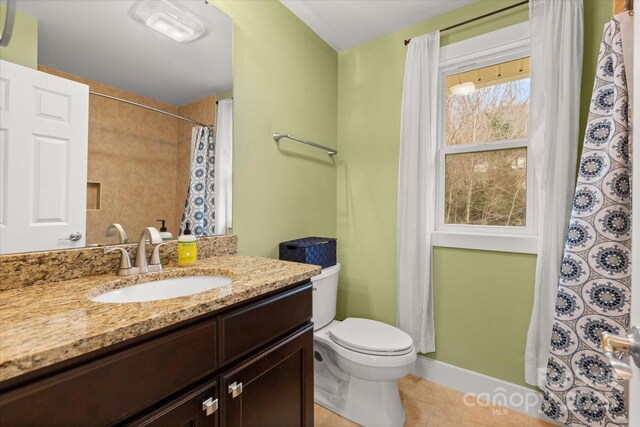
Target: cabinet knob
[[235, 389], [210, 406]]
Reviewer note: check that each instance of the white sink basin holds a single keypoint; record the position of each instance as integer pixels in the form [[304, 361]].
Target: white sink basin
[[163, 289]]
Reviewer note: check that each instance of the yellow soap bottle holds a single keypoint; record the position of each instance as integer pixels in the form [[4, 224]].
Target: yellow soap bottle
[[187, 249]]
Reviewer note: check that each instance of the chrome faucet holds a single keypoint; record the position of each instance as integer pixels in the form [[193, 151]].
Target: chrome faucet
[[141, 265], [141, 254]]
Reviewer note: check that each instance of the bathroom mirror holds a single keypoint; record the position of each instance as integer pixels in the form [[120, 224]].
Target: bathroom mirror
[[167, 56]]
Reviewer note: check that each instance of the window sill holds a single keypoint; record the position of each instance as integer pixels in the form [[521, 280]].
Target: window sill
[[486, 242]]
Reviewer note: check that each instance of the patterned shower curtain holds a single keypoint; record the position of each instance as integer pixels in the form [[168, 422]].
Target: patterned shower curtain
[[199, 206], [594, 287]]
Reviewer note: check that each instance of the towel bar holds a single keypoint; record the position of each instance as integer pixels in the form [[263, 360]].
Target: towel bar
[[278, 136]]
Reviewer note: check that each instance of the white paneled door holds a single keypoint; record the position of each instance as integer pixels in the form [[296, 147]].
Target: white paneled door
[[43, 160]]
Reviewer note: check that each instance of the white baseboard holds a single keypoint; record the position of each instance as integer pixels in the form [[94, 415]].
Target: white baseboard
[[480, 386]]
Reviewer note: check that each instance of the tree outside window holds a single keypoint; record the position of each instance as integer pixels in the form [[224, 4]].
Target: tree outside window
[[485, 147]]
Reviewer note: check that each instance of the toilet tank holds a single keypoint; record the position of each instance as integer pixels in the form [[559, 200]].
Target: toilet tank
[[325, 292]]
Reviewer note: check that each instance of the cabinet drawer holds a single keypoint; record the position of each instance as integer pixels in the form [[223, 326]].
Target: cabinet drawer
[[188, 410], [116, 386], [248, 328]]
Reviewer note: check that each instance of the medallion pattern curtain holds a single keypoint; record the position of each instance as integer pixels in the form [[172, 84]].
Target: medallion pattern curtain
[[594, 285], [199, 207]]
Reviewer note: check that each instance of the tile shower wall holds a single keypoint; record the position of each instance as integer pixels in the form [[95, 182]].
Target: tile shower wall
[[139, 158]]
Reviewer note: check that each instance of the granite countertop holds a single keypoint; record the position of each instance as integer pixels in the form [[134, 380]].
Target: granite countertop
[[45, 324]]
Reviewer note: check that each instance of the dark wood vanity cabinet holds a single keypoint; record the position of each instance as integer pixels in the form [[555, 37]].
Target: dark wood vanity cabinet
[[273, 388], [250, 365]]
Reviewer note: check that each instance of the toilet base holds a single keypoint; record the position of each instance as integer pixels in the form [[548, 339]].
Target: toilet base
[[369, 403]]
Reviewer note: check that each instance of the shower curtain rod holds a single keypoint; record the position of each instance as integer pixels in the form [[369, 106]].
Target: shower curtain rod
[[477, 18], [115, 98]]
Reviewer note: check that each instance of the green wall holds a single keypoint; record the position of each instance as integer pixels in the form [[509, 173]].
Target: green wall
[[285, 80], [482, 299], [23, 46], [369, 104], [482, 304], [224, 95]]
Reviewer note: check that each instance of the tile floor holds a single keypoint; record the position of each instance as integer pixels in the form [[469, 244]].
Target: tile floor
[[432, 405]]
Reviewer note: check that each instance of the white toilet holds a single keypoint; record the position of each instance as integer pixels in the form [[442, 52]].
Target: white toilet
[[357, 361]]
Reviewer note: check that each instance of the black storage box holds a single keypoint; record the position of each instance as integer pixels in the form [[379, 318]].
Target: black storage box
[[310, 250]]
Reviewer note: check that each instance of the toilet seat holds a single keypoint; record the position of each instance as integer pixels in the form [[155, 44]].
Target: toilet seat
[[379, 363], [371, 337]]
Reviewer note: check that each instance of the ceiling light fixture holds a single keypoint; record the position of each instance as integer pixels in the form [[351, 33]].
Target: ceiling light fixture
[[168, 19], [463, 89]]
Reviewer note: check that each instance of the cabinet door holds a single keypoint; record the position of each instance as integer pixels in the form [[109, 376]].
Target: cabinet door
[[273, 388], [196, 408]]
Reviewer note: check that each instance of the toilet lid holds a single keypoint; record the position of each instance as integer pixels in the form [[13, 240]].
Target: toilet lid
[[371, 337]]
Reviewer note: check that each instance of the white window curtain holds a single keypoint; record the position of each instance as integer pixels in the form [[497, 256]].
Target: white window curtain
[[556, 69], [223, 166], [417, 191]]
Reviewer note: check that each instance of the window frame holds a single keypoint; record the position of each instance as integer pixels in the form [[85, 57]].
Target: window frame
[[499, 46]]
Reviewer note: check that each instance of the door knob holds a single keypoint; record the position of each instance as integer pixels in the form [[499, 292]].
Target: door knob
[[74, 237], [612, 344], [235, 389], [210, 406]]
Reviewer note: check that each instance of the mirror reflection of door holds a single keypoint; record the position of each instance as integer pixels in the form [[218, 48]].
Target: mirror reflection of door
[[43, 154], [129, 55]]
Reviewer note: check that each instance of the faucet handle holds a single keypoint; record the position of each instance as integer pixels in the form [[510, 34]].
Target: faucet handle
[[155, 258], [125, 261]]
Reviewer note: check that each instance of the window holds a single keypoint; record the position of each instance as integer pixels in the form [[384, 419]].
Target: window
[[485, 145], [485, 185]]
